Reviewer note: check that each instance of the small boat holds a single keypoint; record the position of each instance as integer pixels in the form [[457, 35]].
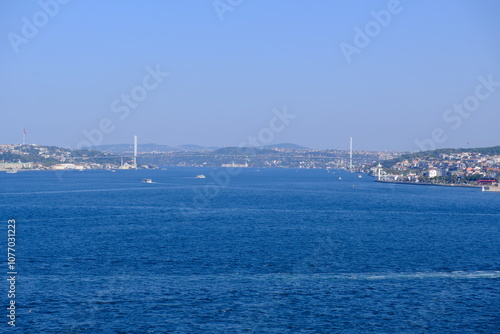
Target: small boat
[[201, 176], [360, 176], [340, 178], [147, 181], [12, 171]]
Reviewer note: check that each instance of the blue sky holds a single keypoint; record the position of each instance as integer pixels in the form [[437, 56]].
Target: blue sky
[[226, 76]]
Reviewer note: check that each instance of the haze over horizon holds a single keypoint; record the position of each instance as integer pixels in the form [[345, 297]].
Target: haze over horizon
[[394, 75], [278, 145]]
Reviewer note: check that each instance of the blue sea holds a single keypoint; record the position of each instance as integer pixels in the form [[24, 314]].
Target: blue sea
[[248, 251]]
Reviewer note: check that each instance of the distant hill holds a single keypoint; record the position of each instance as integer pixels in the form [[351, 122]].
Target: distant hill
[[192, 147], [144, 148], [243, 151], [494, 150], [288, 146], [127, 148]]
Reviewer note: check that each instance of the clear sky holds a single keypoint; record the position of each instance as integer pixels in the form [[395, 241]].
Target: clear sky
[[387, 73]]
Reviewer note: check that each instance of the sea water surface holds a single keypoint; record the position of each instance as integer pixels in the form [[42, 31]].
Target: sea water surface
[[260, 251]]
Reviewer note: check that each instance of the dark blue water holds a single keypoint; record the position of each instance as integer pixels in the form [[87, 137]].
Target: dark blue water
[[269, 251]]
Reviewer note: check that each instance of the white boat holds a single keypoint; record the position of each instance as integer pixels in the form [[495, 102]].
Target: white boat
[[360, 176], [11, 171], [147, 181], [340, 177], [201, 176]]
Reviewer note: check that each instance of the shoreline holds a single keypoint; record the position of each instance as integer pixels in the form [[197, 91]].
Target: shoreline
[[432, 184]]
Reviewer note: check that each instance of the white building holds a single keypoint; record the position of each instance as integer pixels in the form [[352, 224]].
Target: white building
[[67, 166], [16, 165]]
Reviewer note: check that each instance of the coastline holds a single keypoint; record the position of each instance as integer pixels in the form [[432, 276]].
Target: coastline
[[432, 184]]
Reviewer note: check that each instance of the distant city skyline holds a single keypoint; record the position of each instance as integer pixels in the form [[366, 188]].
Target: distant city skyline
[[394, 75]]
